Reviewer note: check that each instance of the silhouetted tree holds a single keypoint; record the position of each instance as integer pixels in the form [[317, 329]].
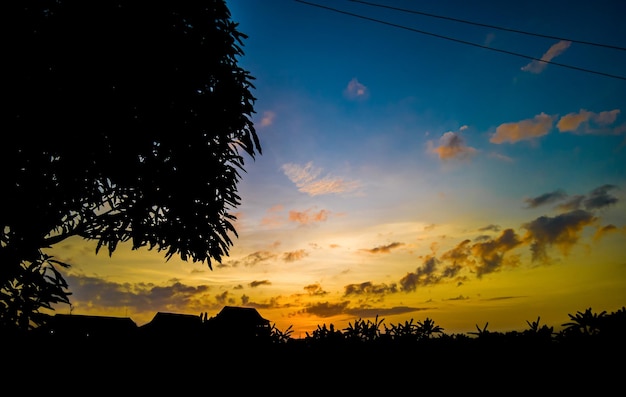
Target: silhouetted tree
[[123, 121]]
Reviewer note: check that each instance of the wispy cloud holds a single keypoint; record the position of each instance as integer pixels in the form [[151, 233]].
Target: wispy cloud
[[537, 66], [546, 198], [356, 90], [307, 179], [598, 198], [523, 130], [384, 249], [268, 118], [308, 216]]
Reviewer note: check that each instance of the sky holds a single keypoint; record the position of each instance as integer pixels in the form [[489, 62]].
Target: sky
[[464, 162]]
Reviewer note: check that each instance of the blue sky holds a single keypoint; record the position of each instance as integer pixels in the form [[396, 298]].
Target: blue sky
[[407, 173]]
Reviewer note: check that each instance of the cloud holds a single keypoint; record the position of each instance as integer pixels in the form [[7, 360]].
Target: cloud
[[93, 293], [546, 198], [563, 231], [537, 66], [268, 118], [491, 254], [308, 180], [255, 284], [356, 90], [586, 122], [424, 275], [491, 227], [253, 259], [383, 249], [365, 312], [600, 197], [523, 130], [325, 309], [451, 146], [315, 290], [306, 217], [603, 231], [294, 255], [370, 289]]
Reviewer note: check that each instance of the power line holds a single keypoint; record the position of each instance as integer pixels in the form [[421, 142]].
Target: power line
[[461, 41], [490, 26]]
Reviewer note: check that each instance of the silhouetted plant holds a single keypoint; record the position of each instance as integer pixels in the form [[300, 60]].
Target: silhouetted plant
[[401, 331], [324, 334], [536, 332], [277, 336], [587, 323], [363, 331], [427, 328], [481, 332]]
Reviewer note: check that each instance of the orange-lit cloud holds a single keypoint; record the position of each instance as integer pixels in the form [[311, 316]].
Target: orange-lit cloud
[[356, 90], [273, 218], [586, 122], [294, 255], [527, 129], [451, 146], [306, 217], [308, 180], [253, 259], [537, 66], [268, 118], [603, 231]]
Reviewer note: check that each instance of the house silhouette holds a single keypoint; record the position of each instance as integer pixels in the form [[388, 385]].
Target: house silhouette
[[84, 327], [234, 322], [171, 325]]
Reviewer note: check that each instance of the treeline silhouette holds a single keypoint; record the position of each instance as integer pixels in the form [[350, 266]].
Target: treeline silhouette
[[589, 349]]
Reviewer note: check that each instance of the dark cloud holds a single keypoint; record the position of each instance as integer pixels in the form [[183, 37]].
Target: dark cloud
[[562, 231], [92, 291], [370, 288], [491, 253], [380, 312], [326, 309], [255, 284], [501, 298], [494, 228], [600, 197], [384, 249], [424, 275], [315, 289], [572, 203], [546, 198], [223, 298]]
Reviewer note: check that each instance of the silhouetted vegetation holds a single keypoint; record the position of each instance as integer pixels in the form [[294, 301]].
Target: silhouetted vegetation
[[365, 356], [129, 121]]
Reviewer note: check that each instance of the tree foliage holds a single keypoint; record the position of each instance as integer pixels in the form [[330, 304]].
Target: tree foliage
[[128, 122]]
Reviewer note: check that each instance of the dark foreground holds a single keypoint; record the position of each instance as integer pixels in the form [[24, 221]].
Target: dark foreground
[[299, 367]]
